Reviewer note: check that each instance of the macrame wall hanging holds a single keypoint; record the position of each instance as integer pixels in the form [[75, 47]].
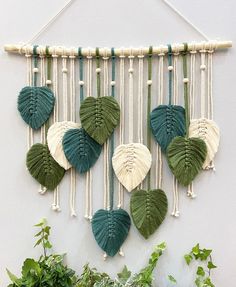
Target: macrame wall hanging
[[68, 132]]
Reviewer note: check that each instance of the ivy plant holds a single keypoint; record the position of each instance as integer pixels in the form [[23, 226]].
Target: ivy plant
[[48, 271], [203, 258]]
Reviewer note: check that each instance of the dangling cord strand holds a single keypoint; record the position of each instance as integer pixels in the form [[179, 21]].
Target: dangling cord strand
[[65, 109], [210, 53], [55, 112], [131, 96], [149, 84], [106, 144], [186, 82], [175, 211], [193, 52], [72, 118], [88, 188], [29, 83], [171, 72], [112, 141], [33, 81], [159, 165], [122, 120], [42, 188], [140, 98]]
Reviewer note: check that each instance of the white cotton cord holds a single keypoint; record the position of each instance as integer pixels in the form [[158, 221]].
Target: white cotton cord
[[65, 116], [210, 92], [159, 166], [131, 96], [55, 206], [122, 120], [72, 118], [42, 83], [140, 98], [42, 189], [88, 186], [192, 88], [210, 85], [203, 83], [50, 22], [186, 20], [106, 144], [29, 67], [175, 211]]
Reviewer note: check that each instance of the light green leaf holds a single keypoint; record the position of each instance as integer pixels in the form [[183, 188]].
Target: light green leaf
[[188, 258], [200, 271], [29, 265], [124, 275], [172, 279], [210, 265], [13, 278]]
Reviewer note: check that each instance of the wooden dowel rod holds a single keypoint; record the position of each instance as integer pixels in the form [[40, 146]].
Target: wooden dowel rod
[[59, 50]]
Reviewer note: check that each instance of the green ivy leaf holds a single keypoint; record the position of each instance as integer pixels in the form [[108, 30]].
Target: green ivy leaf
[[200, 271], [13, 278], [172, 279], [196, 249], [124, 275], [30, 265], [208, 282], [188, 258], [205, 253], [210, 265]]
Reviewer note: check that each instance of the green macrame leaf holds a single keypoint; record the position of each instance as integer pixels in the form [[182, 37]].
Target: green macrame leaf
[[208, 131], [148, 210], [43, 167], [186, 157], [80, 149], [110, 229], [35, 105], [99, 117], [167, 122]]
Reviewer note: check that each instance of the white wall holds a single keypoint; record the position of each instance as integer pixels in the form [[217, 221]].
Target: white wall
[[209, 220]]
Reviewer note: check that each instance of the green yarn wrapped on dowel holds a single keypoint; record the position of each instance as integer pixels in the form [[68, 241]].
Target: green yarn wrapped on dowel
[[186, 155]]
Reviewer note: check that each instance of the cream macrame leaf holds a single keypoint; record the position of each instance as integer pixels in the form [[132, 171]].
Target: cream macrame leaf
[[208, 131], [54, 139], [131, 163], [99, 117], [148, 210]]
